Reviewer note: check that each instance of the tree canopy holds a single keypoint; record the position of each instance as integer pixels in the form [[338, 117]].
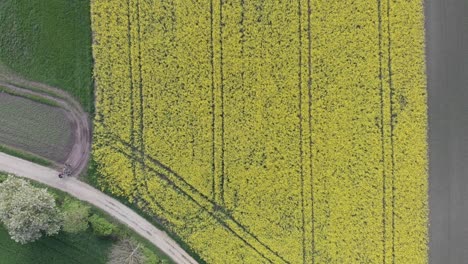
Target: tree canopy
[[27, 212]]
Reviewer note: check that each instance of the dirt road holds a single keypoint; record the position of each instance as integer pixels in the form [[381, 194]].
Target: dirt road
[[93, 196], [447, 68], [80, 150]]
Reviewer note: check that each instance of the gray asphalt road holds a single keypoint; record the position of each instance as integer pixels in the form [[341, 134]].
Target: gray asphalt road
[[447, 68]]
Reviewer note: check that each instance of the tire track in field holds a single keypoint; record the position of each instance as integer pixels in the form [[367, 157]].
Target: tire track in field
[[309, 86], [132, 111], [168, 171], [159, 164], [242, 31], [153, 199], [144, 205], [140, 87], [301, 134], [392, 122], [242, 40], [213, 107], [141, 98], [382, 132], [221, 71], [211, 214], [141, 109]]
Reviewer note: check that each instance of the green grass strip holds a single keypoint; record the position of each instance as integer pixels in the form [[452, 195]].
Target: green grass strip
[[25, 156], [32, 97], [35, 89]]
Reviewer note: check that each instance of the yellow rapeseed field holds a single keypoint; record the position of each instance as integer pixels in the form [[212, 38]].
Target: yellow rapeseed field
[[268, 131]]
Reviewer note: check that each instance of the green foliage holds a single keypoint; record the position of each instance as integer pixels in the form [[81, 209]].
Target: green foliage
[[102, 227], [3, 177], [49, 41], [150, 257], [27, 212], [75, 216]]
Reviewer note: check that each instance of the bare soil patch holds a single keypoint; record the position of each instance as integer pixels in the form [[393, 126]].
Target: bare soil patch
[[36, 128], [78, 151]]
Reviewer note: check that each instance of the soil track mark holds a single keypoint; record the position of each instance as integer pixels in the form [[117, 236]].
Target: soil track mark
[[301, 140], [188, 190], [382, 133], [221, 71], [132, 99], [309, 116], [213, 107], [392, 122]]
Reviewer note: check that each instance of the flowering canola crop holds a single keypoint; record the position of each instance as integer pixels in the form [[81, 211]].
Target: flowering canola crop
[[268, 131]]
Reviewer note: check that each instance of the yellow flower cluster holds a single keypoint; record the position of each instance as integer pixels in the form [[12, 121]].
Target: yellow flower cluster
[[268, 131]]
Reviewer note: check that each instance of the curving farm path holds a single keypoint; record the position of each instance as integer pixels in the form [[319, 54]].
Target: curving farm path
[[95, 197], [78, 159]]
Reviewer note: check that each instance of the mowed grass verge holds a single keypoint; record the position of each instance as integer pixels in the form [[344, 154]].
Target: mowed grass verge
[[34, 127], [50, 42], [26, 156], [84, 248]]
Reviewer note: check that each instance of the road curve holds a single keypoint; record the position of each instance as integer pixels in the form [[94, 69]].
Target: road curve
[[95, 197]]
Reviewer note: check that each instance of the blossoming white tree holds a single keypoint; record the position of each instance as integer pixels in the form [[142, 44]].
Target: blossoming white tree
[[27, 212]]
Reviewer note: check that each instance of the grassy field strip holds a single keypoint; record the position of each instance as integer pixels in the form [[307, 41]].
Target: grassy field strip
[[65, 248], [27, 156], [31, 97], [50, 43]]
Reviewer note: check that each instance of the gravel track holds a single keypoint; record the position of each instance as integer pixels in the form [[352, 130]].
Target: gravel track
[[95, 197]]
